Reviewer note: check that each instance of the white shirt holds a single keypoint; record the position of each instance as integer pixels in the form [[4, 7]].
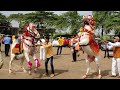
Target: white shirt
[[111, 45]]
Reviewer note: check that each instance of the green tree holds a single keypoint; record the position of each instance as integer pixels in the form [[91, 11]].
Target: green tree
[[3, 20], [100, 18], [4, 24], [18, 17], [71, 20]]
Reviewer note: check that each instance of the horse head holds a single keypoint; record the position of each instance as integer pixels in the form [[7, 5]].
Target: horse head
[[89, 20], [32, 30]]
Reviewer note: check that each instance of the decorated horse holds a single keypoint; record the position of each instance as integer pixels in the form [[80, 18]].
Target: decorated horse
[[1, 59], [89, 45], [24, 46]]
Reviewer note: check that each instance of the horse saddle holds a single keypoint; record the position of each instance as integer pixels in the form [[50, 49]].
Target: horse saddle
[[94, 46], [18, 48]]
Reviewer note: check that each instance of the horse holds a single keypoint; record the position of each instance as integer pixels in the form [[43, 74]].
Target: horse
[[1, 59], [90, 47], [24, 46]]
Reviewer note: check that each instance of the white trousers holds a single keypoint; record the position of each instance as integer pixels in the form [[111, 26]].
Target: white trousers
[[115, 66], [42, 53]]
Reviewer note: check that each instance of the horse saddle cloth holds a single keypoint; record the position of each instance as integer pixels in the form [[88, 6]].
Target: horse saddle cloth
[[18, 48], [94, 46]]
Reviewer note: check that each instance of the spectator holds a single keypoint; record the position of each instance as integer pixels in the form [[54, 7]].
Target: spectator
[[61, 42], [106, 49], [42, 49], [0, 41], [13, 37], [66, 42], [116, 56], [49, 56], [7, 42], [75, 47]]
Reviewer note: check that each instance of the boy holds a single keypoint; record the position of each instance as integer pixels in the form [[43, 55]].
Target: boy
[[49, 56]]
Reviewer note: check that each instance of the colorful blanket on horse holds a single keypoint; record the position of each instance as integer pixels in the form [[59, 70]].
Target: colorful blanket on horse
[[18, 48], [93, 44]]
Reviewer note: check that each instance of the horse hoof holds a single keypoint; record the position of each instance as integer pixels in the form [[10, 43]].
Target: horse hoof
[[24, 71], [30, 73], [84, 77], [35, 70], [99, 76], [10, 72]]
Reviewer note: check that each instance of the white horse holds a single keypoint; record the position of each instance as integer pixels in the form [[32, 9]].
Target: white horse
[[91, 48], [1, 60], [27, 45]]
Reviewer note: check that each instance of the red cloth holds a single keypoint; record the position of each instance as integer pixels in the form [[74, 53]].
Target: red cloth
[[66, 41], [94, 46], [17, 46]]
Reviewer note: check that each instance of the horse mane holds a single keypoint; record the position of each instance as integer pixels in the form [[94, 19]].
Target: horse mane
[[25, 27]]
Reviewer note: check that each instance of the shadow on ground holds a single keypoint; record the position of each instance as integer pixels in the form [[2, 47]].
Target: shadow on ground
[[80, 59], [40, 72], [65, 54], [103, 73]]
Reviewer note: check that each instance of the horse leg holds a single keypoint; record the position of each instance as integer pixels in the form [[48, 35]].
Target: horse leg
[[98, 68], [37, 62], [88, 70], [22, 60], [28, 61], [10, 63], [1, 61]]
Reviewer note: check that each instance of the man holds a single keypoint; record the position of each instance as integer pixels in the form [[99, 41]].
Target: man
[[104, 42], [75, 47], [116, 56], [61, 42], [13, 37], [49, 56], [42, 49], [0, 41], [7, 42], [66, 42]]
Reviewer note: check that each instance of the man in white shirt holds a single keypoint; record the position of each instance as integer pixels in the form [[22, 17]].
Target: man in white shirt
[[42, 49], [116, 56]]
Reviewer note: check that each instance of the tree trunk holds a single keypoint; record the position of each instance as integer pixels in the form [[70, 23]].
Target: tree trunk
[[102, 31]]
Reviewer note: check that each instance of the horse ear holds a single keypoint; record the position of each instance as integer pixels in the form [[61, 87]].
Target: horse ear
[[84, 17]]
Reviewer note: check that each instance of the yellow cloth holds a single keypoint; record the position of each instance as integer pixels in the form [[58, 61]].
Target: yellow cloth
[[49, 51], [61, 41], [116, 52], [13, 37], [0, 37]]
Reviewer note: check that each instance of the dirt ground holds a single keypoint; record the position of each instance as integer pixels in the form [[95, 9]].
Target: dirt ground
[[64, 67]]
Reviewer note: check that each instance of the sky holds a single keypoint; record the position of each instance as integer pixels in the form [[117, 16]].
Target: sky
[[15, 24]]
